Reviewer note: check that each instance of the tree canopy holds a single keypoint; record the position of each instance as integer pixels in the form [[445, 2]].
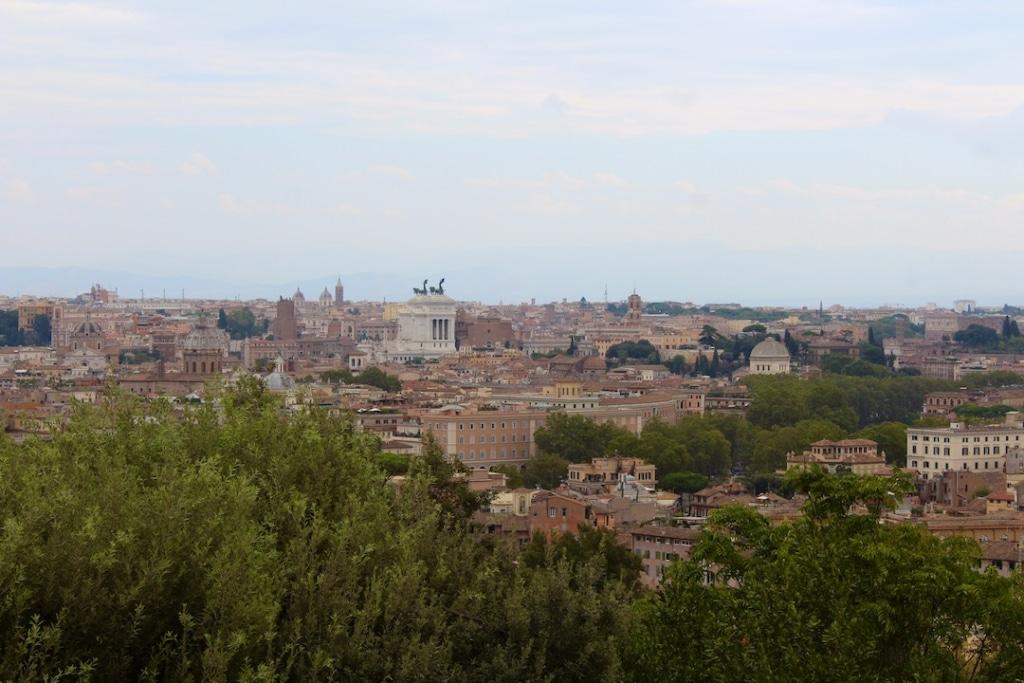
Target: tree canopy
[[244, 543], [831, 596]]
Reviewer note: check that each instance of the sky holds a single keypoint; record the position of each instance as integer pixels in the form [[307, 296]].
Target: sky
[[762, 151]]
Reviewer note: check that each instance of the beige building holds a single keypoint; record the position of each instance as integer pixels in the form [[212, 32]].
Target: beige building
[[601, 473], [660, 546], [933, 450], [858, 456], [485, 438]]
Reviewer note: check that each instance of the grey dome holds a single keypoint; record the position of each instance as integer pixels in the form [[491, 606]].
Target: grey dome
[[769, 350], [204, 338]]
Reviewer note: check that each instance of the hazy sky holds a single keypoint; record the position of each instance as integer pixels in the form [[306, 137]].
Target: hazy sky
[[274, 142]]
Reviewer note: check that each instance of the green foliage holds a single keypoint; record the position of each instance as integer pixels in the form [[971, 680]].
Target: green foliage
[[642, 351], [977, 337], [575, 438], [10, 335], [590, 546], [513, 475], [757, 328], [885, 328], [772, 446], [372, 376], [871, 353], [1010, 328], [545, 471], [693, 444], [783, 400], [792, 345], [339, 376], [891, 438], [995, 378], [241, 323], [738, 313], [841, 364], [683, 482], [974, 412], [677, 365], [241, 542], [42, 332], [138, 356], [829, 596], [393, 463]]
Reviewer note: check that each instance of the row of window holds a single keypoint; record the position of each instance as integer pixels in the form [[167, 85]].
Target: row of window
[[977, 439], [494, 453], [483, 425], [925, 464], [494, 439], [658, 555], [978, 450]]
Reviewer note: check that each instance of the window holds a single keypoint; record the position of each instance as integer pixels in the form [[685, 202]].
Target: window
[[551, 512]]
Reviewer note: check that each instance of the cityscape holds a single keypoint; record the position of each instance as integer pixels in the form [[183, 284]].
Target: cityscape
[[511, 342]]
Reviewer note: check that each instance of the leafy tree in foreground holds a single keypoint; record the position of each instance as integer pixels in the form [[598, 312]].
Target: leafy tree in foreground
[[245, 543], [832, 596], [617, 562]]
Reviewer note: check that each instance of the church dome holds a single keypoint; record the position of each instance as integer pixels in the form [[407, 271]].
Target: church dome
[[279, 380], [88, 327], [768, 350], [204, 338]]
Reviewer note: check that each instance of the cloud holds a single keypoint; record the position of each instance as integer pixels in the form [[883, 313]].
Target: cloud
[[547, 205], [120, 166], [75, 14], [235, 205], [197, 164], [19, 191], [378, 171], [610, 180], [83, 194], [396, 172], [578, 79]]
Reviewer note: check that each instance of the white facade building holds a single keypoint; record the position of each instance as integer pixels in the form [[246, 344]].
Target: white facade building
[[426, 329], [934, 450]]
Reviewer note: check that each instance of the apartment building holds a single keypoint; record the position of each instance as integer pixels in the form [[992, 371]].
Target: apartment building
[[934, 450]]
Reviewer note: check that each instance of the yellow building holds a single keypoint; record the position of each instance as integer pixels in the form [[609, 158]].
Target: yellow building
[[27, 313]]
